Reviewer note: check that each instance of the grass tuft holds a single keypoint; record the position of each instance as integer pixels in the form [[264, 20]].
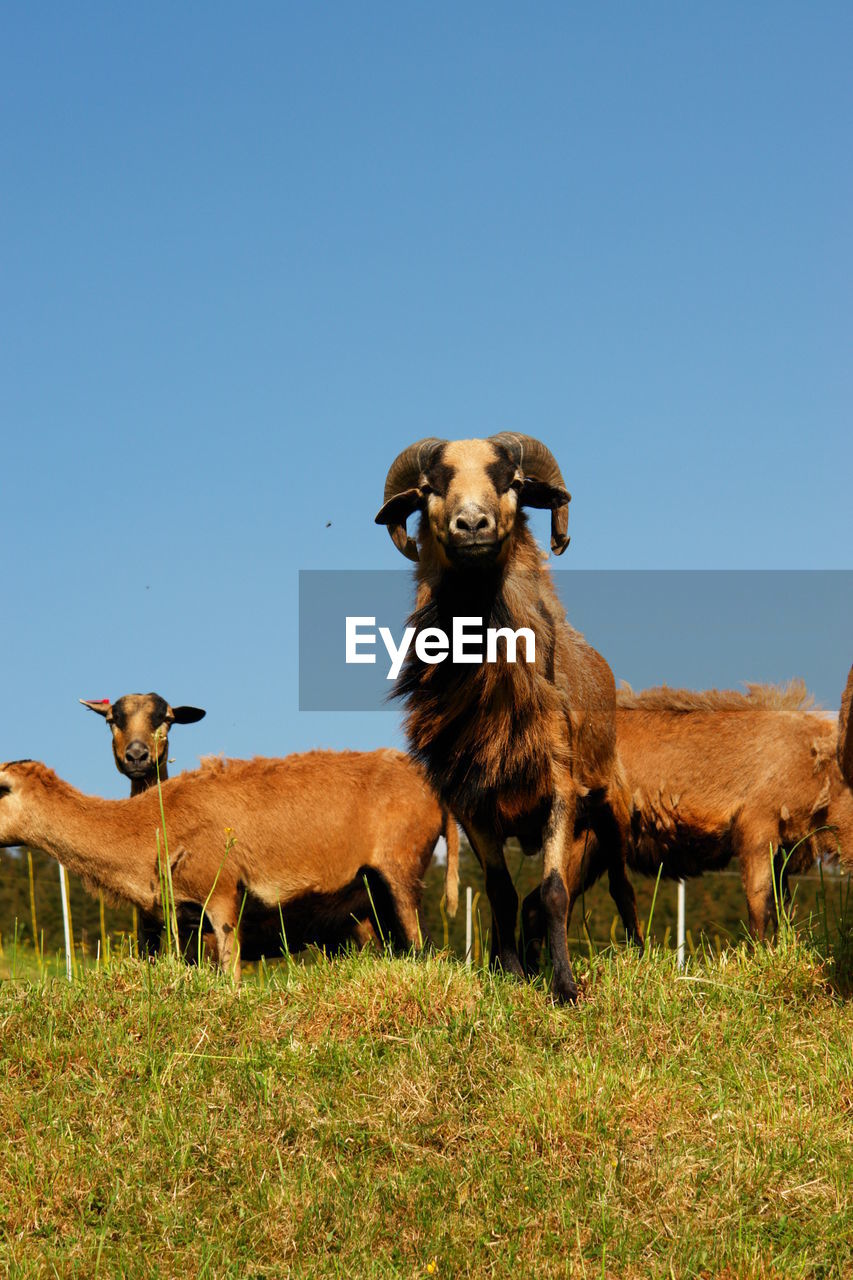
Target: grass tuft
[[382, 1117]]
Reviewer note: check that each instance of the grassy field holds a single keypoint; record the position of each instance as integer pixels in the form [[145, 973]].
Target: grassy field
[[375, 1117]]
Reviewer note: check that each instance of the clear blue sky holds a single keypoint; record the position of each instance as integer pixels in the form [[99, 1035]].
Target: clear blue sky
[[247, 253]]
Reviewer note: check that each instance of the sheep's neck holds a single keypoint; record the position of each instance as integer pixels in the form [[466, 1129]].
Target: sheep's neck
[[94, 840]]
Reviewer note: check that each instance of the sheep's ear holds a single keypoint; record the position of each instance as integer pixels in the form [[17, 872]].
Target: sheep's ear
[[395, 513], [845, 732], [186, 715], [535, 493], [553, 498], [101, 706]]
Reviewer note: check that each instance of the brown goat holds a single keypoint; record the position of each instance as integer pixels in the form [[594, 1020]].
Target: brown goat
[[513, 748], [339, 835], [140, 724], [718, 775]]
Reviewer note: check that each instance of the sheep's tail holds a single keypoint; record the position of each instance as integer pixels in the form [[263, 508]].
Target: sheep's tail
[[451, 874]]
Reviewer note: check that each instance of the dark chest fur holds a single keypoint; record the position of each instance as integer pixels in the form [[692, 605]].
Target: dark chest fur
[[484, 731]]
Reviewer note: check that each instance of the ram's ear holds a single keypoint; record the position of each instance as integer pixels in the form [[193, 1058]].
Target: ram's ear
[[845, 732], [101, 706], [395, 513], [553, 498], [535, 493], [186, 715]]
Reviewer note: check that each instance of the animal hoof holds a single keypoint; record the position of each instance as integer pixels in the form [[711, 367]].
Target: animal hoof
[[565, 993]]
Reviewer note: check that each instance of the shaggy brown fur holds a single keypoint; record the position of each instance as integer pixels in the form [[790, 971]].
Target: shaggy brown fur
[[140, 724], [513, 748], [719, 774], [305, 833]]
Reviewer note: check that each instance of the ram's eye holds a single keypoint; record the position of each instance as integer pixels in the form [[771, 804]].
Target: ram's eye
[[426, 489], [517, 483]]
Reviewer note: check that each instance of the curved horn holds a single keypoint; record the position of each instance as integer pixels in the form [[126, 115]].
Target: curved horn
[[536, 462], [845, 732], [406, 469], [404, 477]]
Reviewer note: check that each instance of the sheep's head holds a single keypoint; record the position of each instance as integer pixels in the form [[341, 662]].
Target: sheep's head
[[140, 724], [845, 732], [469, 493], [15, 777]]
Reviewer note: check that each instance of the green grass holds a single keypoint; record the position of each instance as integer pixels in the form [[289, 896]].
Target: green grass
[[371, 1117]]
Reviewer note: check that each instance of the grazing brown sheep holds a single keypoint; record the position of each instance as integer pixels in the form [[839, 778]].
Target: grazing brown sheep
[[718, 775], [341, 836], [140, 724], [513, 748]]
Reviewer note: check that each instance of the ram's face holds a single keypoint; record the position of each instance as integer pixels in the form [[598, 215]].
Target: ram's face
[[471, 500], [470, 492]]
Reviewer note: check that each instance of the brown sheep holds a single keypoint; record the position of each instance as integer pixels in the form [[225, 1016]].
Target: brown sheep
[[718, 775], [335, 835], [513, 748], [140, 724]]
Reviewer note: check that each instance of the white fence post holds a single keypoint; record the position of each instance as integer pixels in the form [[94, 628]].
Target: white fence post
[[680, 929], [64, 891], [469, 926]]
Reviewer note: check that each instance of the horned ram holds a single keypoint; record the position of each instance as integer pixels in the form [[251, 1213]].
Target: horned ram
[[524, 749]]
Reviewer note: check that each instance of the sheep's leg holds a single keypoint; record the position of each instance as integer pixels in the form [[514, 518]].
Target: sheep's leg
[[503, 899], [408, 928], [562, 882], [757, 872], [533, 927], [364, 935], [149, 930], [759, 900], [612, 837], [227, 943], [188, 937]]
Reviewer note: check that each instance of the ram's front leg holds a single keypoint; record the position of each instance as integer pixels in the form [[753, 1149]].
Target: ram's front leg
[[503, 898], [562, 881]]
